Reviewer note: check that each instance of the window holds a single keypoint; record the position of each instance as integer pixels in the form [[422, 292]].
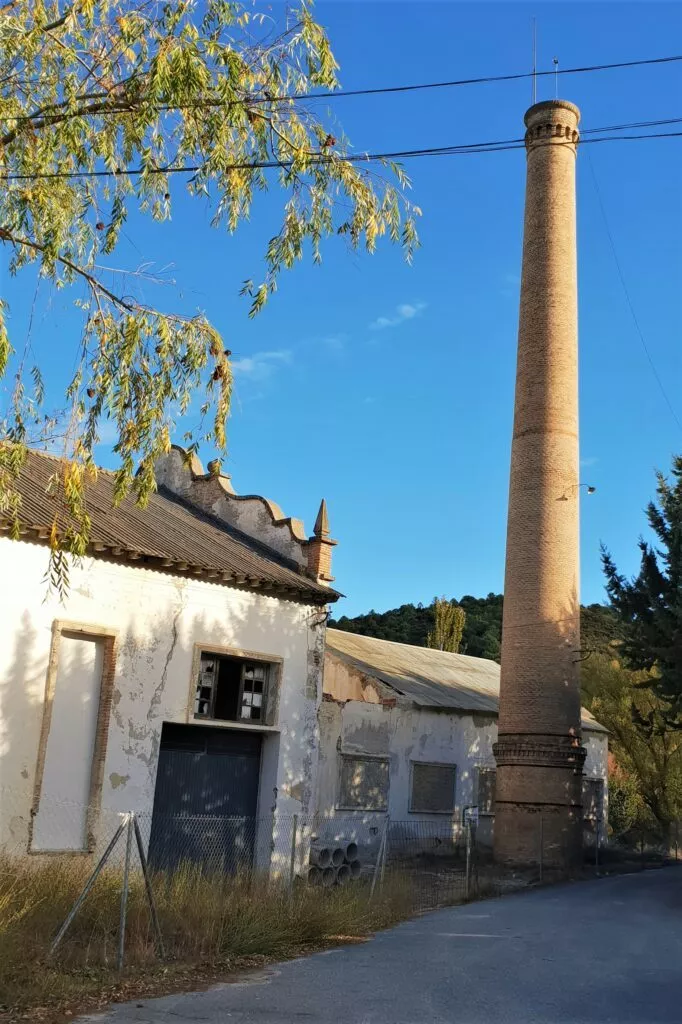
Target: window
[[232, 689], [487, 778], [433, 788], [593, 800], [364, 784]]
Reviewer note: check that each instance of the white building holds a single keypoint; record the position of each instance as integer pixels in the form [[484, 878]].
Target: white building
[[408, 732], [183, 673]]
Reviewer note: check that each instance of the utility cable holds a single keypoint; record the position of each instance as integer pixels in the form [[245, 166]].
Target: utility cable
[[628, 300], [335, 94], [479, 81], [316, 159]]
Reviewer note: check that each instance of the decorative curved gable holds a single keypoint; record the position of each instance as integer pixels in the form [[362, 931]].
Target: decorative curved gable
[[263, 520]]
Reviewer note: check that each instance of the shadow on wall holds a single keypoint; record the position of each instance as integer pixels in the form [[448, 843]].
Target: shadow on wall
[[21, 700]]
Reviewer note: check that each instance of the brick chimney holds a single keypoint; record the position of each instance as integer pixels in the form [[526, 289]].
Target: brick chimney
[[538, 752], [320, 548]]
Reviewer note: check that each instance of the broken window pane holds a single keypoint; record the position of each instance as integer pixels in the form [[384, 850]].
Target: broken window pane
[[231, 689]]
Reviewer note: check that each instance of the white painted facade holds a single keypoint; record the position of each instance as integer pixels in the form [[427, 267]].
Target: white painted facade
[[362, 716], [158, 619]]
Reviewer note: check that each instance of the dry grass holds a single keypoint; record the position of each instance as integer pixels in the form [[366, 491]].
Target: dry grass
[[217, 922]]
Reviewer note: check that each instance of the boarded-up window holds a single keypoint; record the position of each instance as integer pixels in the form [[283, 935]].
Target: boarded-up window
[[364, 784], [433, 788], [593, 799], [486, 790]]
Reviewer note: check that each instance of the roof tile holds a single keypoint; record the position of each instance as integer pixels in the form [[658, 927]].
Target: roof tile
[[168, 532]]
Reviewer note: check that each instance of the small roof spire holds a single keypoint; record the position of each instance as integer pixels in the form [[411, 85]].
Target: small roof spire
[[321, 528]]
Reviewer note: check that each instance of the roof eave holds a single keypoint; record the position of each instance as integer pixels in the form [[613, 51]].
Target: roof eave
[[122, 555]]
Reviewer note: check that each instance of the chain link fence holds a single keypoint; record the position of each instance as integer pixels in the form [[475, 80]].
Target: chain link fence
[[415, 865]]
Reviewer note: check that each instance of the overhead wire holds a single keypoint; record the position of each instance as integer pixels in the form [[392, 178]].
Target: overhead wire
[[628, 299], [460, 149], [334, 94]]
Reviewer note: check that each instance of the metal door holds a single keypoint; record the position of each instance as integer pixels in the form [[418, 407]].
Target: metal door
[[206, 798]]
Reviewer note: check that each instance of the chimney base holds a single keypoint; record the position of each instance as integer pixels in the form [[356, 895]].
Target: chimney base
[[538, 801]]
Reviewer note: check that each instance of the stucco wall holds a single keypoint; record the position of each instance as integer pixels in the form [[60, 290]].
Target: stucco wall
[[159, 619], [255, 516], [404, 733], [597, 767]]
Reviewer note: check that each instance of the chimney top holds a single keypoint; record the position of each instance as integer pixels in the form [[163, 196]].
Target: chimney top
[[542, 112], [552, 122]]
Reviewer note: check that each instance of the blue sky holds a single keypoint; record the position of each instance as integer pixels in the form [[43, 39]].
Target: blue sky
[[389, 389]]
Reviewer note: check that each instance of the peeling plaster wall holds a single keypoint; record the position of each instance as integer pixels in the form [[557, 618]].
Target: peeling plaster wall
[[404, 733], [343, 682], [596, 767], [159, 618]]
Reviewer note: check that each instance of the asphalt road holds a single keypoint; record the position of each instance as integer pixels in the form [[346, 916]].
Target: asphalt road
[[607, 950]]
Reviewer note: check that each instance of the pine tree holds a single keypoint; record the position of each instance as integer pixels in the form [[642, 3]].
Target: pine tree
[[650, 605], [448, 626]]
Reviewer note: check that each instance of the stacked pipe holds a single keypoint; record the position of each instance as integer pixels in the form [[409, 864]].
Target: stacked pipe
[[333, 865]]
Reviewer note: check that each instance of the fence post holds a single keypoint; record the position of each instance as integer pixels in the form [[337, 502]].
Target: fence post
[[86, 888], [542, 845], [467, 874], [294, 840], [148, 887], [385, 856], [124, 894], [378, 862]]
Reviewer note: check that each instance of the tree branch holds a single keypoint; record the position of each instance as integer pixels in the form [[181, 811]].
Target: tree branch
[[8, 236]]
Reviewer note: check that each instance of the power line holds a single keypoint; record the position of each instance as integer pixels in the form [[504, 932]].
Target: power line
[[344, 93], [632, 124], [479, 81], [626, 292], [496, 146]]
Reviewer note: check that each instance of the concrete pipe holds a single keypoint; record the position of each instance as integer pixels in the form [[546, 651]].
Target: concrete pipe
[[351, 852], [328, 877], [321, 856], [343, 874], [338, 857], [314, 875], [355, 868]]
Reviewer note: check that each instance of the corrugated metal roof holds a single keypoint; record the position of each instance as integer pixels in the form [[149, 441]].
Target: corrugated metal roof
[[432, 679], [167, 534]]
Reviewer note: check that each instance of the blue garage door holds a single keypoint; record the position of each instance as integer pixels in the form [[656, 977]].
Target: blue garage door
[[206, 798]]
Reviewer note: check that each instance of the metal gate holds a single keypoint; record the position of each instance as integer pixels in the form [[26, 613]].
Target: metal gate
[[206, 798]]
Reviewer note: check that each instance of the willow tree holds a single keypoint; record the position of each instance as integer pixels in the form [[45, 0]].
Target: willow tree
[[107, 105], [448, 625]]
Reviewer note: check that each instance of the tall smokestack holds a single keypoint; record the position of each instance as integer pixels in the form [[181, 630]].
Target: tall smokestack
[[538, 752]]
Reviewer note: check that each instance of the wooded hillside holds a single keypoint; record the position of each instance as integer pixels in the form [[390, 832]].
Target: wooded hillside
[[411, 624]]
